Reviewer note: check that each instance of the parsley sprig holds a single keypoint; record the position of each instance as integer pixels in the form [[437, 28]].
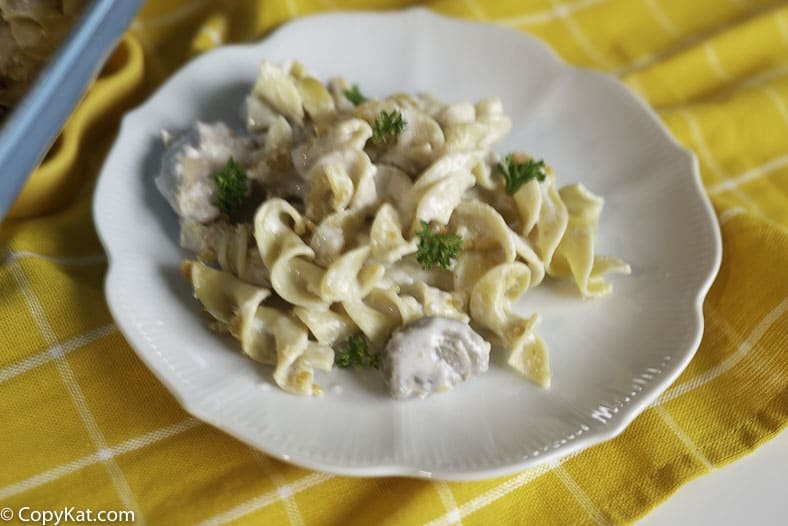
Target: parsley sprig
[[230, 186], [387, 125], [436, 249], [516, 173], [355, 353], [354, 95]]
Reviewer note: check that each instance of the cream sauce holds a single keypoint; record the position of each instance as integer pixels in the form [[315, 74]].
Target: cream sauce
[[432, 355]]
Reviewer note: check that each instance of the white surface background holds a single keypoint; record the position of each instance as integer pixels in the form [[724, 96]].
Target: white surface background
[[752, 490]]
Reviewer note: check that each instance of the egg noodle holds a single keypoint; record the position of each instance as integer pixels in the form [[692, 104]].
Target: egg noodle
[[342, 195]]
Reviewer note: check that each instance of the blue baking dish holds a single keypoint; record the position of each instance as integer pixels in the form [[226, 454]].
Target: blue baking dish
[[34, 124]]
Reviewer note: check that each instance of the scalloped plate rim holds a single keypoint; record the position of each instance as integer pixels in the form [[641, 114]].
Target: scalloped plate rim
[[616, 424]]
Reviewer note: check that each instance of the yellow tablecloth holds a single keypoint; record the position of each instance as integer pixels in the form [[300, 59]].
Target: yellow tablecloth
[[86, 425]]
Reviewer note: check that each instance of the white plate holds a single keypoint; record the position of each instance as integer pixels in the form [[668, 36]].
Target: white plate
[[610, 358]]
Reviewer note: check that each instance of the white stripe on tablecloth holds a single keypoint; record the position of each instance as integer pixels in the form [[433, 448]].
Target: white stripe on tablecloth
[[730, 213], [662, 19], [75, 392], [53, 352], [449, 502], [777, 100], [266, 499], [704, 152], [700, 142], [691, 446], [762, 365], [279, 481], [581, 497], [492, 495], [94, 259], [782, 25], [577, 33], [99, 456], [693, 39], [752, 174], [475, 8], [715, 64], [542, 17], [760, 78], [679, 390], [215, 37], [292, 8]]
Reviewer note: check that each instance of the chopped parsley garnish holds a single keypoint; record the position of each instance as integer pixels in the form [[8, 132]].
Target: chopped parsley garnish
[[230, 186], [355, 353], [354, 95], [437, 249], [517, 173], [387, 125]]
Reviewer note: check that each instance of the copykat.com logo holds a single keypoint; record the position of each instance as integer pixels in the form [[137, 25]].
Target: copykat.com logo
[[66, 515]]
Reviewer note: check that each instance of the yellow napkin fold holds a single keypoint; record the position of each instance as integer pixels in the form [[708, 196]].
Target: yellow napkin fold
[[86, 425]]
